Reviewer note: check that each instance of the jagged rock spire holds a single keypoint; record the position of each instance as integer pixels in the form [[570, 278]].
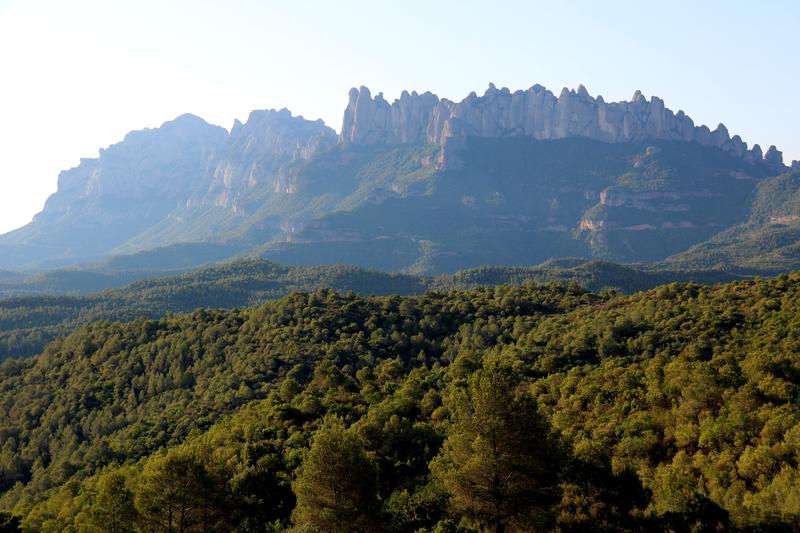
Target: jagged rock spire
[[537, 113]]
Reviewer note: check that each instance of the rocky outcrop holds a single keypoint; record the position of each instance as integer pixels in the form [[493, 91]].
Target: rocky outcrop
[[774, 159], [187, 161], [795, 166], [258, 153], [105, 201], [641, 200], [161, 163], [370, 120], [537, 113]]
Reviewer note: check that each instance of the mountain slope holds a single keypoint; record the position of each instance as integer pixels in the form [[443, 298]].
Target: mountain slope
[[113, 205], [518, 200], [768, 241], [422, 185], [104, 202]]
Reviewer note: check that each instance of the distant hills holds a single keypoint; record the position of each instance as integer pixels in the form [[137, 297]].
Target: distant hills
[[29, 321], [424, 185]]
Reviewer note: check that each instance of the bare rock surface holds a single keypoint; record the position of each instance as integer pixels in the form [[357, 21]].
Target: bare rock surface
[[535, 112]]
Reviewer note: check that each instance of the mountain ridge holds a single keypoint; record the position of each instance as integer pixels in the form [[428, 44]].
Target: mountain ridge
[[537, 113], [567, 175]]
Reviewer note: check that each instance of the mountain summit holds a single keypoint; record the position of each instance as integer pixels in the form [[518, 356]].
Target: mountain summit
[[425, 184]]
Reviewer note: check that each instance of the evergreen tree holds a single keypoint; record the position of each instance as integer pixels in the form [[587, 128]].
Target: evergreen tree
[[180, 493], [337, 485], [113, 509], [499, 462]]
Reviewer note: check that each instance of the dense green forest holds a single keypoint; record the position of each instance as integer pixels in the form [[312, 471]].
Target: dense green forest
[[513, 408], [28, 323]]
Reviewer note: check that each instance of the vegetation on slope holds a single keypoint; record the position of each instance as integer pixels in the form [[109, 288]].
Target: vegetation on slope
[[28, 323], [767, 243], [666, 410], [517, 200]]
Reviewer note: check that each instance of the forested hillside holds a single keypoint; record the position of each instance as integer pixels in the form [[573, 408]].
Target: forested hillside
[[28, 323], [503, 409]]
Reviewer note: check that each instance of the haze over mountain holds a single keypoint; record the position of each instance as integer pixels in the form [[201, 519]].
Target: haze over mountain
[[428, 185]]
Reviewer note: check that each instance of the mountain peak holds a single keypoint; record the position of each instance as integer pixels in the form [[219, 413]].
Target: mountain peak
[[186, 118], [774, 158], [258, 153]]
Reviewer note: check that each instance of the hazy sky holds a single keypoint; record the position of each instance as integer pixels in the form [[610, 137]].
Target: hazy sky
[[77, 75]]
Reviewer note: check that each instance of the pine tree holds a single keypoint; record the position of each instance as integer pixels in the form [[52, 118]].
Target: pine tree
[[337, 485], [182, 492], [499, 463], [113, 510]]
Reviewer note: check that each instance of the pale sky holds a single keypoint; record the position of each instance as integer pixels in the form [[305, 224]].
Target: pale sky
[[77, 75]]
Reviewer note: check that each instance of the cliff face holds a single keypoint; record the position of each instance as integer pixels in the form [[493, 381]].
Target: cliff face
[[187, 160], [370, 120], [140, 181], [257, 155], [610, 184], [154, 163], [536, 113], [105, 201]]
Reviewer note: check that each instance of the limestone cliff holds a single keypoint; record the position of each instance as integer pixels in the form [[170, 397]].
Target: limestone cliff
[[257, 154], [537, 113], [370, 120], [105, 201], [161, 163]]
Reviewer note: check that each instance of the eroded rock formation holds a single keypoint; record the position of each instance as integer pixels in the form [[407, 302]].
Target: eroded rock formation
[[537, 113], [160, 163], [257, 154]]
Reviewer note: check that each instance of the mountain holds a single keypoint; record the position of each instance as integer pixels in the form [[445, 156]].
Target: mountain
[[422, 185], [104, 202], [535, 113], [154, 179]]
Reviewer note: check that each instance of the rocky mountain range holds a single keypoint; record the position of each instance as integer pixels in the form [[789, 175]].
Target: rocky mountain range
[[429, 185], [535, 113]]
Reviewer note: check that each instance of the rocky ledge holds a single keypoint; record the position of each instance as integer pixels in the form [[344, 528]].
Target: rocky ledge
[[537, 113]]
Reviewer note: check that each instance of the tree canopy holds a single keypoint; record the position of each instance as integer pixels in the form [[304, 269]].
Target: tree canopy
[[506, 408]]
